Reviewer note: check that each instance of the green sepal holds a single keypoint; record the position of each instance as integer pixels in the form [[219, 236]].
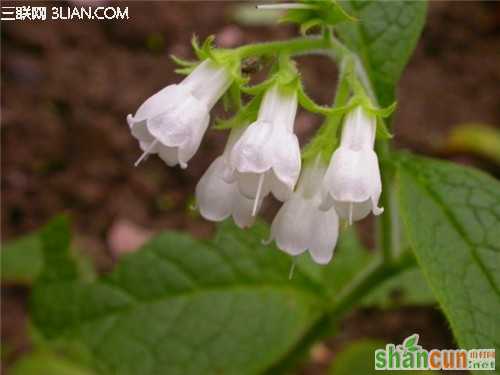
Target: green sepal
[[232, 97], [184, 71], [381, 112], [186, 66], [306, 26], [309, 104], [260, 87], [205, 51], [382, 131], [184, 63]]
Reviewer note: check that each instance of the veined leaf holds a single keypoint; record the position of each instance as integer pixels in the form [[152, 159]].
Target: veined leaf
[[452, 217], [180, 306], [384, 37]]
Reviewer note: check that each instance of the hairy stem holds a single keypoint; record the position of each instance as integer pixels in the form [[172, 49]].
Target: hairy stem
[[314, 44], [386, 220]]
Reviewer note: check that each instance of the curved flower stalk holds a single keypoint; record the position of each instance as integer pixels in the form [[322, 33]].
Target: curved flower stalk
[[218, 199], [172, 122], [267, 156], [352, 182], [301, 225]]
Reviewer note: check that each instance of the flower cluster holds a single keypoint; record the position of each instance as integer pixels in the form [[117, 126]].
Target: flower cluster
[[263, 156]]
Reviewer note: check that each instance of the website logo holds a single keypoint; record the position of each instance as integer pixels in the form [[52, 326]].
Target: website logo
[[411, 356]]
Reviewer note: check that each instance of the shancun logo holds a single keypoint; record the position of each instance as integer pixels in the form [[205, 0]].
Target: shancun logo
[[411, 356]]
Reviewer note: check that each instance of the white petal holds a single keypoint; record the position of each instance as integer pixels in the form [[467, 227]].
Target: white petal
[[140, 131], [279, 108], [323, 236], [249, 182], [311, 179], [168, 154], [354, 176], [252, 153], [279, 189], [353, 211], [188, 149], [326, 201], [359, 130], [290, 227], [286, 156], [178, 125], [213, 194], [208, 82], [242, 210], [169, 97]]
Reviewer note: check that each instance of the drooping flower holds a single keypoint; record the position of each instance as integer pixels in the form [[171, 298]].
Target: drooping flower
[[216, 198], [172, 122], [301, 225], [352, 182], [267, 156]]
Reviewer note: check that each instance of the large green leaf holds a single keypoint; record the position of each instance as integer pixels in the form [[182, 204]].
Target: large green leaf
[[180, 306], [384, 37], [452, 216]]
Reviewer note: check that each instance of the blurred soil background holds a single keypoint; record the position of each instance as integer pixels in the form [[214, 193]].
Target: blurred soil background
[[67, 87]]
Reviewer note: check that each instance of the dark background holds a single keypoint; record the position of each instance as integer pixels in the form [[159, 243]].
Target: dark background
[[67, 87]]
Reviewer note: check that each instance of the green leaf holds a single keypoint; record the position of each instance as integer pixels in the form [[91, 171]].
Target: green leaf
[[384, 37], [22, 260], [181, 306], [359, 358], [46, 363], [55, 239], [452, 217]]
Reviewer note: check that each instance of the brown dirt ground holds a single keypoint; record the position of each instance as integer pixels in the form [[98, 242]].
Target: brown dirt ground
[[65, 146]]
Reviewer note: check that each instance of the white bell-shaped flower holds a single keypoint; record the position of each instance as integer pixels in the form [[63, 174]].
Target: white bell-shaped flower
[[267, 156], [301, 225], [172, 122], [352, 182], [218, 199]]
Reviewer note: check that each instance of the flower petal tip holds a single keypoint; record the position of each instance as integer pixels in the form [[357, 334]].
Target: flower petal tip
[[130, 120], [377, 210], [267, 242]]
